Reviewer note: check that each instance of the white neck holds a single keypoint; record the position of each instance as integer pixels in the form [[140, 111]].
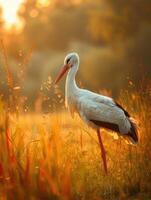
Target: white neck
[[71, 87]]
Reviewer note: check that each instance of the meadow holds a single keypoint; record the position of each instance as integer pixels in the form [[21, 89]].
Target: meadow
[[44, 153], [52, 156]]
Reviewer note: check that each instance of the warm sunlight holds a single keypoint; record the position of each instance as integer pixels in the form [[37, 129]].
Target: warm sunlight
[[10, 8], [101, 51]]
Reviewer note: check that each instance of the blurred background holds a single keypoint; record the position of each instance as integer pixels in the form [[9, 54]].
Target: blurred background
[[113, 39]]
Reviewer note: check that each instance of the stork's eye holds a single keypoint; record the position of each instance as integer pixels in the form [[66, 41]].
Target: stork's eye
[[68, 60]]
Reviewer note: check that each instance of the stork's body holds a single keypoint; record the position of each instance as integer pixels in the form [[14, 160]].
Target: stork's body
[[94, 109]]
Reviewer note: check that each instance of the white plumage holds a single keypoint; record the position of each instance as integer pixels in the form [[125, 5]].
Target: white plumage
[[94, 109], [102, 109]]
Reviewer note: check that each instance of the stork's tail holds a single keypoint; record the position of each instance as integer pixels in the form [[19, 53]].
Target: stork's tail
[[133, 133]]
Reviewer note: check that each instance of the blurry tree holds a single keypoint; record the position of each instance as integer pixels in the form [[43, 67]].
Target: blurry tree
[[118, 19], [130, 15], [125, 25], [33, 30], [53, 26], [112, 38]]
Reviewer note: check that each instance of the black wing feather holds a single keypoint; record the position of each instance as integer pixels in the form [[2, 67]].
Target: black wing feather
[[108, 125], [126, 113]]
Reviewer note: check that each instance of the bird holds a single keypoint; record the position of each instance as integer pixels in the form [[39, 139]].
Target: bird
[[96, 110]]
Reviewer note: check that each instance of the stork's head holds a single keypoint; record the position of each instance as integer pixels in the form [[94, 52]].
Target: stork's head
[[71, 61]]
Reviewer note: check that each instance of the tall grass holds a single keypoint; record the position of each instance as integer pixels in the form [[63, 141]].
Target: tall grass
[[55, 157]]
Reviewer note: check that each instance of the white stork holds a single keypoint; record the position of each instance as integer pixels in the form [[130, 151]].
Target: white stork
[[94, 109]]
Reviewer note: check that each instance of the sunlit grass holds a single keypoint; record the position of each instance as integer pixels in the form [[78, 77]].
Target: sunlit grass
[[56, 157], [52, 156]]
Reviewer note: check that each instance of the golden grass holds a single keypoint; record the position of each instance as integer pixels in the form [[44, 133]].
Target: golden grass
[[55, 157]]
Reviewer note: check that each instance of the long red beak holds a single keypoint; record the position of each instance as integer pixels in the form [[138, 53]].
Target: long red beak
[[61, 73]]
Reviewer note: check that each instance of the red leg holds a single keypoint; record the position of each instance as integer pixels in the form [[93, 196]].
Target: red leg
[[103, 153]]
